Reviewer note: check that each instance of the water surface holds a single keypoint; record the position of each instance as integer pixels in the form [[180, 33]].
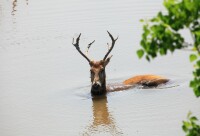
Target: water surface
[[45, 84]]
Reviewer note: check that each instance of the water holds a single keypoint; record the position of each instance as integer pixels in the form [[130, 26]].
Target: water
[[45, 84]]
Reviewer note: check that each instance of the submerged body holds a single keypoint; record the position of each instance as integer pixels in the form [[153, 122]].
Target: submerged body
[[147, 81]]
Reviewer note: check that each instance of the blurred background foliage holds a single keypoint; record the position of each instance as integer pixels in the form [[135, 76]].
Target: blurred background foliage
[[190, 126], [161, 34]]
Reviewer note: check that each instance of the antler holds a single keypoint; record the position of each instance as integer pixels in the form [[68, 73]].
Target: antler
[[110, 49], [78, 48]]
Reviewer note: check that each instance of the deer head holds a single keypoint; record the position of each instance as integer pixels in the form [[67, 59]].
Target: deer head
[[97, 68]]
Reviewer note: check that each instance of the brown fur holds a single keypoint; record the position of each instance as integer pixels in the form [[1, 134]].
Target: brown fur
[[144, 80], [151, 80], [97, 64], [98, 77]]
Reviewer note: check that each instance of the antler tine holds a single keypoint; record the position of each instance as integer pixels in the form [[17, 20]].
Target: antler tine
[[89, 45], [112, 45], [78, 48], [77, 41]]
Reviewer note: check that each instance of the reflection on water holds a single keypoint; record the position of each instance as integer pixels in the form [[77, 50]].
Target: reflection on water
[[103, 122], [14, 5]]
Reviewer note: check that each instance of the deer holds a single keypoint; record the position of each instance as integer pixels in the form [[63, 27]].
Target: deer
[[98, 74]]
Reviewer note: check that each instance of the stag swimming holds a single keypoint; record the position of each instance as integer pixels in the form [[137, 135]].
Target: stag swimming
[[98, 74]]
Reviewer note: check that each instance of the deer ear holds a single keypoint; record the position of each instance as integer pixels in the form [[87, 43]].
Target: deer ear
[[107, 61]]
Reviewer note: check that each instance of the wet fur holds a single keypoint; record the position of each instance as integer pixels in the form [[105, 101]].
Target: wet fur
[[148, 81]]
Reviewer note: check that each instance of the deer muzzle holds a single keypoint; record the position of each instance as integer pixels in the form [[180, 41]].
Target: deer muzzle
[[96, 84]]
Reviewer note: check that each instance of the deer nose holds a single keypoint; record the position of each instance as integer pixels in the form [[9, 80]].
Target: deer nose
[[96, 85]]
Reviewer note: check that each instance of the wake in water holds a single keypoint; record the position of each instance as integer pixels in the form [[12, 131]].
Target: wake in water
[[115, 86]]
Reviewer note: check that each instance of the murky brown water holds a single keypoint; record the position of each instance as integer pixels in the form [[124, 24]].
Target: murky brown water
[[45, 85]]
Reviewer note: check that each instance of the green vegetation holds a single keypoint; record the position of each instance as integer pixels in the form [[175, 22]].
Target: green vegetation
[[161, 35], [190, 126]]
